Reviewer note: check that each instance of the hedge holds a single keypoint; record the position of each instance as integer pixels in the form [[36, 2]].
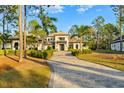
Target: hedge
[[8, 51], [45, 54], [34, 53], [76, 52]]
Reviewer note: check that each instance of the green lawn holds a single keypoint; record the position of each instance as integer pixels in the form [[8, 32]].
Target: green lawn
[[31, 73], [111, 60]]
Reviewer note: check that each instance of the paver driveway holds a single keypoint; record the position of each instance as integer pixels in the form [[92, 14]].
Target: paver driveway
[[68, 71]]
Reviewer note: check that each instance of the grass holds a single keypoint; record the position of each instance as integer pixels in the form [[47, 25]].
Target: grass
[[31, 73], [115, 61], [108, 51]]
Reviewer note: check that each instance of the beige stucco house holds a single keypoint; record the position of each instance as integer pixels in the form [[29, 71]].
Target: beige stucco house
[[59, 41]]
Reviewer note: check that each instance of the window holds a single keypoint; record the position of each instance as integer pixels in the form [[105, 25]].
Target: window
[[61, 38], [76, 46]]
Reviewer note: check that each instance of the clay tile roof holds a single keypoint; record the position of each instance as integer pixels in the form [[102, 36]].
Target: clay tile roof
[[15, 38], [59, 34], [74, 40]]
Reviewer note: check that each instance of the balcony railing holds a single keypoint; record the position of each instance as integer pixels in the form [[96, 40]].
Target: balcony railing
[[61, 41]]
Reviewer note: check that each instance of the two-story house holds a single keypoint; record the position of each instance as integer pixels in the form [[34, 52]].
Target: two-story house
[[59, 41]]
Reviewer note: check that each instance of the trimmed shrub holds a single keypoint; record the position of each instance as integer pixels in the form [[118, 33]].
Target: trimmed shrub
[[49, 48], [28, 52], [86, 51], [7, 51], [76, 52], [47, 54], [10, 51], [38, 54]]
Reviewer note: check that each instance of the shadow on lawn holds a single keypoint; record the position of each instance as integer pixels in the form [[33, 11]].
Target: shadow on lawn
[[12, 58], [15, 79], [25, 78], [37, 61], [30, 59]]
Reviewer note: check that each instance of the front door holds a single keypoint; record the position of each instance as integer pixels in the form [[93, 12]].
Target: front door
[[62, 47]]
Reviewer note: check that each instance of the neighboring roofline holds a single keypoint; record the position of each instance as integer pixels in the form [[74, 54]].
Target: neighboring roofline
[[75, 42], [117, 41], [61, 35]]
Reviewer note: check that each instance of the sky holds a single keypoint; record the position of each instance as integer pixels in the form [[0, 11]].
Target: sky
[[80, 15], [69, 15]]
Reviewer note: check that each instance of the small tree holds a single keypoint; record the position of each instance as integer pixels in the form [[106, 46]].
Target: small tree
[[98, 24], [80, 32], [110, 30]]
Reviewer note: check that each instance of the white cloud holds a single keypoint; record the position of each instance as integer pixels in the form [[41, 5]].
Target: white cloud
[[34, 12], [84, 8], [55, 9], [52, 9]]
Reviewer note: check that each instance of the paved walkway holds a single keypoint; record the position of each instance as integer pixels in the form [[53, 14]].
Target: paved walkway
[[68, 71]]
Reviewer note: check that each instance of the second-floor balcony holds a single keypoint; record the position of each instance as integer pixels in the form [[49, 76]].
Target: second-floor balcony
[[61, 41]]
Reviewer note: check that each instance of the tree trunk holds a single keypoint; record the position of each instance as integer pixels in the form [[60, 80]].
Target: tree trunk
[[20, 31], [37, 45], [3, 31], [25, 31], [4, 36], [110, 41], [97, 41], [81, 43], [42, 44], [120, 27]]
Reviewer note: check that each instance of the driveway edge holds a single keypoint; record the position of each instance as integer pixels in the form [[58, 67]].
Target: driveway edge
[[50, 85]]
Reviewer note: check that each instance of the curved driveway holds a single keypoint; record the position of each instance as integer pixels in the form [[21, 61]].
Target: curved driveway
[[70, 72]]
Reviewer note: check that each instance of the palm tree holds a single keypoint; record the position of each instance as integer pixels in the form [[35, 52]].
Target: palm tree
[[9, 14], [37, 30], [80, 32], [47, 23], [24, 31], [20, 32]]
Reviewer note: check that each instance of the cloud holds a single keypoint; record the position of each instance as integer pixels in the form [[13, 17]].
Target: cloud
[[34, 12], [84, 8], [51, 9], [55, 9]]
